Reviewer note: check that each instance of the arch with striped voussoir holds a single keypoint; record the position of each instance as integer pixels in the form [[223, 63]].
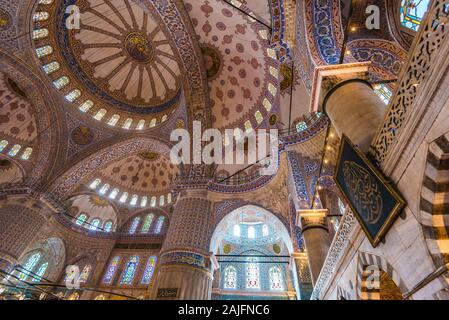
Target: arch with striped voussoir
[[434, 202], [377, 279]]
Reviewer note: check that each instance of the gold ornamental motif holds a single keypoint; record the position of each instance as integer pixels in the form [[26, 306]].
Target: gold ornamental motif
[[363, 191]]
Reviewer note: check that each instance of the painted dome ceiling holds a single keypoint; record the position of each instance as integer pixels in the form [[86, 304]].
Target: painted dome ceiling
[[144, 174], [120, 58], [241, 67]]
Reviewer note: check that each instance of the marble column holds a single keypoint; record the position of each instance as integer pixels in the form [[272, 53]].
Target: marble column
[[316, 238], [356, 111], [185, 270]]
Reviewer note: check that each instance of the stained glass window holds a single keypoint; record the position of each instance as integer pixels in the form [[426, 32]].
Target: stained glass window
[[73, 95], [134, 199], [81, 219], [104, 188], [412, 13], [134, 225], [275, 278], [274, 72], [40, 272], [149, 269], [127, 123], [251, 232], [109, 275], [147, 224], [130, 270], [27, 153], [94, 224], [114, 119], [108, 226], [252, 274], [51, 67], [267, 104], [3, 144], [265, 230], [100, 114], [259, 117], [159, 224], [140, 125], [230, 278], [40, 16], [40, 33], [29, 265], [169, 198], [85, 273], [248, 126], [301, 126], [61, 82], [124, 197], [383, 92], [153, 122], [114, 193], [95, 184], [86, 106], [144, 201], [45, 1], [236, 230], [161, 200], [153, 201], [44, 51], [272, 89], [14, 150], [341, 206]]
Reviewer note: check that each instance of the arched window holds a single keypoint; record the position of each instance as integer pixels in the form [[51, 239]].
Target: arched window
[[248, 126], [153, 201], [44, 51], [114, 119], [94, 224], [14, 150], [51, 67], [265, 230], [27, 153], [29, 265], [104, 188], [45, 1], [252, 274], [109, 275], [412, 13], [108, 226], [61, 82], [140, 125], [130, 270], [100, 114], [86, 106], [236, 230], [3, 144], [40, 272], [169, 198], [134, 225], [259, 117], [147, 224], [251, 232], [124, 197], [114, 193], [230, 278], [164, 118], [85, 273], [149, 269], [95, 184], [40, 33], [301, 126], [40, 16], [266, 103], [81, 219], [153, 122], [144, 201], [275, 279], [134, 199], [73, 95], [162, 201], [159, 224], [127, 123]]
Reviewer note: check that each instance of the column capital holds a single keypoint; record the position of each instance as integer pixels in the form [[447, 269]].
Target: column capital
[[327, 77], [311, 218]]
